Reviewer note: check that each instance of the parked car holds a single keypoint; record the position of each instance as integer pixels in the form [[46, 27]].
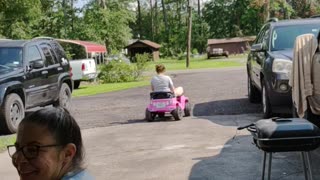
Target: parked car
[[270, 61], [32, 73], [83, 70], [118, 57], [215, 52]]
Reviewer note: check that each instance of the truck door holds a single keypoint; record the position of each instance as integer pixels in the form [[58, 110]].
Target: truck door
[[35, 78], [53, 70]]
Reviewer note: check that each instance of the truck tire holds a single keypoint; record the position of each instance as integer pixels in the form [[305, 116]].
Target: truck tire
[[64, 99], [76, 84], [266, 107], [254, 94], [11, 114]]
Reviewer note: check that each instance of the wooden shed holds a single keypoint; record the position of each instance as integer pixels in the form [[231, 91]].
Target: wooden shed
[[233, 45], [144, 46]]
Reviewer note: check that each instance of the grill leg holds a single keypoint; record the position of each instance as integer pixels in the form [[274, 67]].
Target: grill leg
[[305, 169], [307, 154], [264, 164], [269, 165]]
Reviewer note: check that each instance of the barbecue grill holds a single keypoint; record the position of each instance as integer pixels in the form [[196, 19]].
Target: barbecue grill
[[284, 135]]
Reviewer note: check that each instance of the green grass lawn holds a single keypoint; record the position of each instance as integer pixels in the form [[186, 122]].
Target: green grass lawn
[[5, 141], [92, 89], [200, 63]]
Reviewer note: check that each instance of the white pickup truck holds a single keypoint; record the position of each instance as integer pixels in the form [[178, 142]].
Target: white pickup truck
[[83, 70]]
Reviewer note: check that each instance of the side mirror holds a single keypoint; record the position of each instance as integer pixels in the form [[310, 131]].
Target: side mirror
[[257, 47], [37, 64]]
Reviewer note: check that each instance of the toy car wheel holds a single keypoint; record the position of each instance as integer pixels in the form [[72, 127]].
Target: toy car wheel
[[177, 113], [64, 97], [12, 113], [150, 116], [161, 115], [187, 109]]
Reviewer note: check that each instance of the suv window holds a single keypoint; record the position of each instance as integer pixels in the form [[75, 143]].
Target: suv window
[[11, 56], [58, 49], [33, 53], [283, 37], [47, 53]]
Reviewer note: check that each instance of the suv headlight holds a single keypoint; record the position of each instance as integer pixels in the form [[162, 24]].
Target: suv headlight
[[282, 66]]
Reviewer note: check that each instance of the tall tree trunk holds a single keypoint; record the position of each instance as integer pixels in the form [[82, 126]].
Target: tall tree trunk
[[267, 10], [139, 19], [165, 20], [72, 16], [151, 13], [156, 17], [199, 9], [179, 14], [102, 4], [189, 33]]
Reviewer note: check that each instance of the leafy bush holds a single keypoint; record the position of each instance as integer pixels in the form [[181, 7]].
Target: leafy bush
[[116, 71], [119, 71], [195, 51], [141, 63]]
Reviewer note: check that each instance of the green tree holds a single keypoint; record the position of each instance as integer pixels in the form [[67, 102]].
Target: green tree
[[17, 17]]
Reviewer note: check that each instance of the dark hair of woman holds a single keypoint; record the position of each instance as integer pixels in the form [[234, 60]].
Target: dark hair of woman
[[63, 127]]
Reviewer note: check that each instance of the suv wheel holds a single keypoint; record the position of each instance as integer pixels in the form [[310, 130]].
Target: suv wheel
[[266, 108], [64, 97], [11, 114], [253, 93]]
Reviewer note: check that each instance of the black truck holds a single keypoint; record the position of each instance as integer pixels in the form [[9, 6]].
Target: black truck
[[32, 73]]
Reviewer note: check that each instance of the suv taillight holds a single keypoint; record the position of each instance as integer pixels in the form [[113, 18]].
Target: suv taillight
[[83, 67]]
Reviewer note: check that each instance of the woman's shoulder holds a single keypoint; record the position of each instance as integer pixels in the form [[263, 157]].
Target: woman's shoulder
[[81, 175]]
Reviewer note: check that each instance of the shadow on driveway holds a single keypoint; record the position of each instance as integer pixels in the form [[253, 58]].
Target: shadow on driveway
[[239, 159], [226, 107]]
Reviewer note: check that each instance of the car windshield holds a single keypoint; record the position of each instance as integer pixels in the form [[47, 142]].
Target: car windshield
[[10, 57], [284, 37]]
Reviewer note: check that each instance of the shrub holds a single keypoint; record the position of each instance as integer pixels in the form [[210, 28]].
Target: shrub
[[141, 63], [119, 71], [195, 51]]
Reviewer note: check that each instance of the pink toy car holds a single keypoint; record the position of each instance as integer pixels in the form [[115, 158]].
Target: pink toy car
[[166, 102]]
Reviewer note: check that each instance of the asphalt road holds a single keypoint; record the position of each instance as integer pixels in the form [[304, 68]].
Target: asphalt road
[[211, 92]]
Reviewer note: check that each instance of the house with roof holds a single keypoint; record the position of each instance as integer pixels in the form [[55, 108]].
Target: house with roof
[[144, 46], [237, 45]]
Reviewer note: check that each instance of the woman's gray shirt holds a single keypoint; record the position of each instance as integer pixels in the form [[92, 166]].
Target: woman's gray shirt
[[162, 83]]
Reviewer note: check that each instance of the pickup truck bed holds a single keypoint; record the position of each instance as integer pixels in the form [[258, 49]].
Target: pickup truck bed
[[83, 70]]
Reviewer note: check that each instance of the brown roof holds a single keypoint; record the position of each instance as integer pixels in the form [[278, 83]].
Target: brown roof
[[231, 40], [146, 42]]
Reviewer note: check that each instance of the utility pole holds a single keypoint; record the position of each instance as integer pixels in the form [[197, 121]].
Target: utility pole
[[189, 32]]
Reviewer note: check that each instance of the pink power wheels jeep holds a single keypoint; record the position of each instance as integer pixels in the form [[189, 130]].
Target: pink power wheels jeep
[[165, 102]]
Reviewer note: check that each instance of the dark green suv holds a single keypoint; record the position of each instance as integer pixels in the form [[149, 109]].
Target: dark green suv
[[270, 61], [32, 73]]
